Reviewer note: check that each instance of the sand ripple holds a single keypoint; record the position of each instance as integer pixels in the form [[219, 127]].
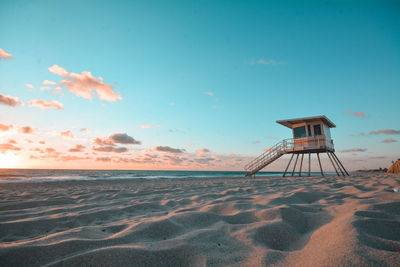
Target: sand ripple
[[318, 221]]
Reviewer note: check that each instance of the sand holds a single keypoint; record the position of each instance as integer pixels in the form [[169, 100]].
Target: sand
[[317, 221]]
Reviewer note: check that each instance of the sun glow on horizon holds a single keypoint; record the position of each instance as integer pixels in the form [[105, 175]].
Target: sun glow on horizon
[[8, 160]]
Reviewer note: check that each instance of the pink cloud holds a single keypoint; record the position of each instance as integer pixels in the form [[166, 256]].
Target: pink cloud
[[5, 128], [85, 85], [147, 126], [167, 149], [385, 131], [5, 55], [12, 141], [46, 104], [30, 86], [67, 133], [389, 140], [9, 100], [26, 130], [209, 93], [356, 113], [47, 82], [77, 148], [42, 142], [203, 150], [356, 149]]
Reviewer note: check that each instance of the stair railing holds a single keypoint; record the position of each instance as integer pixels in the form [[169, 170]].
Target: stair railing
[[275, 151]]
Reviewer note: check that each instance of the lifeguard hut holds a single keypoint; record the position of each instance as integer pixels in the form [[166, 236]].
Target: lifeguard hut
[[310, 135]]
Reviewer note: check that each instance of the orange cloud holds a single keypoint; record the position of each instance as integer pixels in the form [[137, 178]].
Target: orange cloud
[[26, 130], [42, 142], [5, 55], [9, 100], [46, 104], [5, 147], [147, 126], [5, 128], [67, 133], [85, 85]]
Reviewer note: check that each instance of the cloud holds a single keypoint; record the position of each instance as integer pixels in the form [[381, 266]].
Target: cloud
[[204, 160], [385, 131], [167, 149], [202, 150], [110, 149], [123, 138], [26, 130], [77, 148], [5, 55], [12, 141], [209, 93], [84, 130], [45, 88], [105, 159], [172, 103], [5, 128], [256, 142], [117, 138], [29, 85], [46, 104], [68, 158], [147, 126], [47, 82], [9, 100], [5, 147], [67, 133], [85, 85], [389, 140], [270, 62], [356, 149], [356, 113], [42, 142]]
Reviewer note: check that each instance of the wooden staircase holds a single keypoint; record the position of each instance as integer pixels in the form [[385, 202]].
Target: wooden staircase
[[268, 157]]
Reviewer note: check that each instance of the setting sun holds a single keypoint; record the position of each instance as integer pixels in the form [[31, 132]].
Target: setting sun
[[8, 160]]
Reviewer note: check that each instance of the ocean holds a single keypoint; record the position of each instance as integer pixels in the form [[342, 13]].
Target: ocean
[[41, 175]]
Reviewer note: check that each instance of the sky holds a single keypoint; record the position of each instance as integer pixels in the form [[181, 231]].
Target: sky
[[194, 85]]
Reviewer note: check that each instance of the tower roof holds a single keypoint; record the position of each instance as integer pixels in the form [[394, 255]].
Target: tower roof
[[289, 123]]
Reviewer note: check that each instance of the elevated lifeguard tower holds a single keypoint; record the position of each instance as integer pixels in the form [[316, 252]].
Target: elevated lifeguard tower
[[310, 135]]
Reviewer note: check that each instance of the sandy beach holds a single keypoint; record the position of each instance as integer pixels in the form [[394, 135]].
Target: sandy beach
[[295, 221]]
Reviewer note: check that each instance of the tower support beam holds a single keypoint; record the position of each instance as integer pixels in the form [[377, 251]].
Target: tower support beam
[[295, 164], [301, 163], [332, 164], [287, 167], [333, 153], [320, 166]]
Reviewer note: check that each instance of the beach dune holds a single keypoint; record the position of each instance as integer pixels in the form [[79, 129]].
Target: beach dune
[[293, 221]]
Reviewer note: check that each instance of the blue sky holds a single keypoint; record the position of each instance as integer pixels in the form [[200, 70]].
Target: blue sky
[[260, 61]]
